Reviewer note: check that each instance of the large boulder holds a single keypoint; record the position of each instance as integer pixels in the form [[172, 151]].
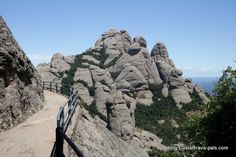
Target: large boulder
[[21, 94], [181, 95], [84, 75], [83, 93], [141, 41], [55, 71], [59, 63], [133, 76], [101, 94], [94, 139], [119, 119], [116, 40], [100, 75], [144, 97], [147, 140]]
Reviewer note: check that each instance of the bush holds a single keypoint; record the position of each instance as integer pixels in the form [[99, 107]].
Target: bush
[[91, 90], [113, 62], [114, 75], [216, 125], [195, 105], [147, 117], [104, 83]]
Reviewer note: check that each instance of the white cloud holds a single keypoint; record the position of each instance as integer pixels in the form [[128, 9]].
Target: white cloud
[[200, 71]]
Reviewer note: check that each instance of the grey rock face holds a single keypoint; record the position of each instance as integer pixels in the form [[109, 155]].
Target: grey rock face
[[141, 41], [160, 50], [171, 76], [83, 93], [114, 39], [144, 97], [99, 74], [83, 74], [119, 117], [58, 63], [21, 94], [179, 88], [95, 140], [55, 70], [134, 49], [147, 140], [101, 94], [133, 76], [90, 59]]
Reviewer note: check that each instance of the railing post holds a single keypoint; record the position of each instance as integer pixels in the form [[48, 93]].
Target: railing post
[[59, 142], [56, 87], [43, 84], [69, 105], [62, 89], [71, 91], [50, 86]]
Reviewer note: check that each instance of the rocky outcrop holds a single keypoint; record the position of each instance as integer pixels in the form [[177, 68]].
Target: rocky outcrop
[[147, 140], [112, 78], [94, 139], [55, 71], [21, 94], [179, 88], [119, 118]]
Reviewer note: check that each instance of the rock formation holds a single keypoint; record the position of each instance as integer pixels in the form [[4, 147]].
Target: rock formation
[[94, 139], [112, 78], [20, 92], [55, 70], [179, 88]]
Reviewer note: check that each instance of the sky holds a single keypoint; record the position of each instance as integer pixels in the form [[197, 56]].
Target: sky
[[200, 35]]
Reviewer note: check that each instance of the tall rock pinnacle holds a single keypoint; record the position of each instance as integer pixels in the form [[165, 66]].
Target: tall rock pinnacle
[[20, 91]]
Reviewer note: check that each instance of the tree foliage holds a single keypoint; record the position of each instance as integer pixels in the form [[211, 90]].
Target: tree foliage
[[216, 125]]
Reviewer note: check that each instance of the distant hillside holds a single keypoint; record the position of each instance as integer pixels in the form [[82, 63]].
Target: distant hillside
[[207, 83]]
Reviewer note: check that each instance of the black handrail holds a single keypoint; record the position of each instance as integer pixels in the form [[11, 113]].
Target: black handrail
[[63, 117]]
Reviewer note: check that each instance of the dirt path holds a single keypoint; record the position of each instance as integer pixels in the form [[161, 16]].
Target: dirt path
[[34, 137]]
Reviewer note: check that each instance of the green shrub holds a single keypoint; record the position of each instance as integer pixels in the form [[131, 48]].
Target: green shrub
[[91, 90], [114, 75], [113, 62], [146, 117], [168, 153], [216, 125], [104, 82], [195, 105]]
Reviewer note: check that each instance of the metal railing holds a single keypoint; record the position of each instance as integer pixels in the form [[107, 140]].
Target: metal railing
[[64, 116]]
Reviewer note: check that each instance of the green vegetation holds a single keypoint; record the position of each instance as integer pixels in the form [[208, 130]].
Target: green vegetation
[[164, 108], [92, 108], [93, 53], [195, 105], [104, 83], [113, 62], [171, 153], [216, 125], [103, 57], [114, 75], [73, 67], [90, 89], [147, 117]]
